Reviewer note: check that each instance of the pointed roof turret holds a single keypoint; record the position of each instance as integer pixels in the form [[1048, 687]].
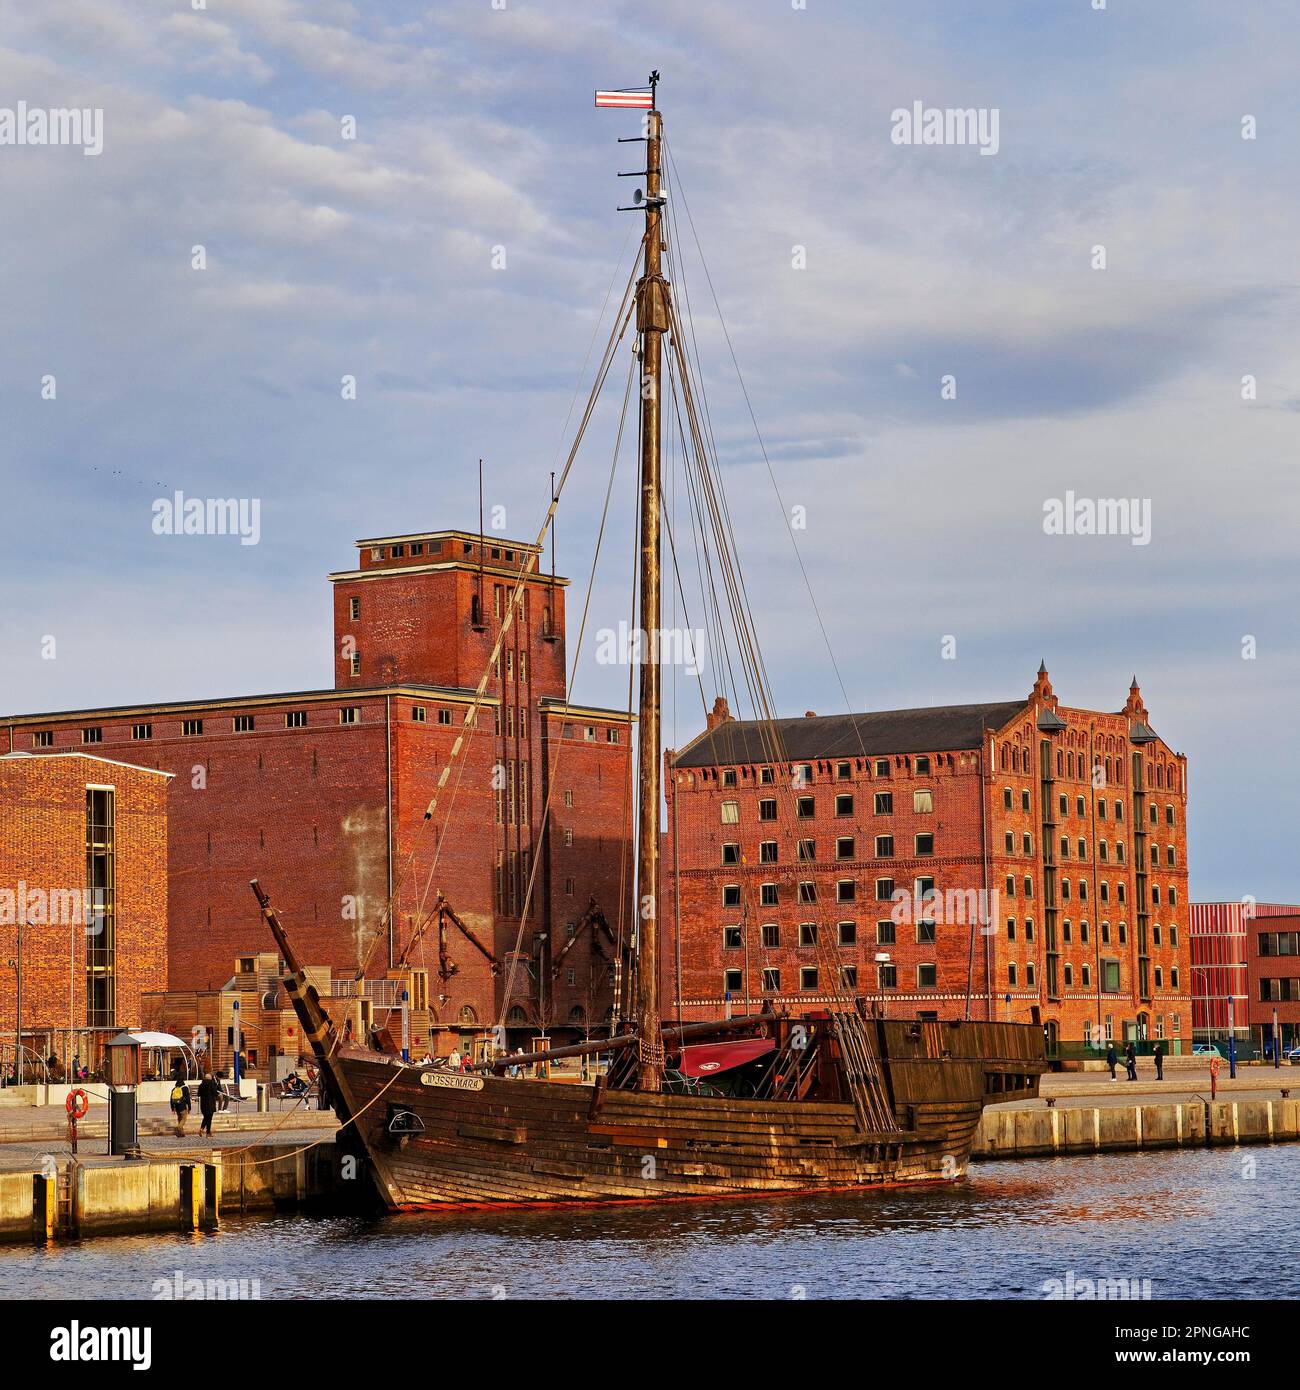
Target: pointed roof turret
[[1042, 692]]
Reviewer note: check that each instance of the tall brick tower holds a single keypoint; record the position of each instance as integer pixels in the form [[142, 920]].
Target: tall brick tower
[[424, 610]]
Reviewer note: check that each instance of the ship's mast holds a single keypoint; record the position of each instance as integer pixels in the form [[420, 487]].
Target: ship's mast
[[652, 323]]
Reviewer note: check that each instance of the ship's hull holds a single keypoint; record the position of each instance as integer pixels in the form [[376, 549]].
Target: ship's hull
[[434, 1139]]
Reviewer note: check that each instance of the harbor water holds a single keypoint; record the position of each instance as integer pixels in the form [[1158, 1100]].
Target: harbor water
[[1206, 1223]]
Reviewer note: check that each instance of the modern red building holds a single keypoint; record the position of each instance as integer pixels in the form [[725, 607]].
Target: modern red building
[[1016, 860], [1273, 967], [1220, 937], [83, 900], [341, 799]]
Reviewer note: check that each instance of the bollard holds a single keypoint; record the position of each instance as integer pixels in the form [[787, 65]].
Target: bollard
[[45, 1205], [191, 1198], [211, 1194], [261, 1096]]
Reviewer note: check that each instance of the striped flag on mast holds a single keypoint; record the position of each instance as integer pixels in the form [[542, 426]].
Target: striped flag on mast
[[627, 98]]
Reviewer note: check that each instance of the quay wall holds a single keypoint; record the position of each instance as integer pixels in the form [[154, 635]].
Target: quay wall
[[1116, 1128], [84, 1199]]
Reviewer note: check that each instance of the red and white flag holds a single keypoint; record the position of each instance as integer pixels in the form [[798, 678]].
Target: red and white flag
[[627, 100]]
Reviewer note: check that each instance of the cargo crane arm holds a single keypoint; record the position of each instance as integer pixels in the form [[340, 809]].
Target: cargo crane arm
[[442, 913], [594, 920]]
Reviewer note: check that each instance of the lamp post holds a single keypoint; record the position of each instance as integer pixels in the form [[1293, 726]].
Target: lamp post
[[1277, 1043], [234, 1033], [15, 963], [1232, 1039]]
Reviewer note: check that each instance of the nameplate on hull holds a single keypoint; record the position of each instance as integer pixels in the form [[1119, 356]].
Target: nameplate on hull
[[450, 1081]]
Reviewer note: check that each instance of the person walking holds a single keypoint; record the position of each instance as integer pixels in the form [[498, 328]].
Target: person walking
[[1131, 1061], [1111, 1059], [209, 1095], [180, 1104], [453, 1062], [1160, 1061]]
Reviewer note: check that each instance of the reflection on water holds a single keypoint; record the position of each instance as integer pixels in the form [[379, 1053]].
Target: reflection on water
[[1167, 1217]]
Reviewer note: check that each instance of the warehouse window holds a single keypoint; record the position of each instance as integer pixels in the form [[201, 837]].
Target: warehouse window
[[921, 766], [93, 735], [733, 981], [191, 728], [731, 939], [354, 608], [807, 977], [807, 851], [767, 852], [771, 979], [771, 936], [884, 803], [807, 933], [418, 713], [295, 719], [730, 850], [848, 933], [349, 714], [926, 976], [731, 812], [844, 847], [243, 723], [43, 738], [141, 731], [922, 802]]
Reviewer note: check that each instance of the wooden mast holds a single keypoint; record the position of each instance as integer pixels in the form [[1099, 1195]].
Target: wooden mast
[[652, 323]]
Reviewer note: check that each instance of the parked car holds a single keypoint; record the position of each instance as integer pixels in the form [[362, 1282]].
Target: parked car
[[1205, 1050], [1293, 1056]]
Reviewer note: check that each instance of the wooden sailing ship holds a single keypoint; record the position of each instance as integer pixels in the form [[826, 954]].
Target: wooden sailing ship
[[760, 1104]]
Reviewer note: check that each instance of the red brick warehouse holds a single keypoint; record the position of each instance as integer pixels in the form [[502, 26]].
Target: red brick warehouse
[[322, 794], [83, 871], [1026, 855]]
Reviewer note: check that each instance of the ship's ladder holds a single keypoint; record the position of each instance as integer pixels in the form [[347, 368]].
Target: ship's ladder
[[861, 1069]]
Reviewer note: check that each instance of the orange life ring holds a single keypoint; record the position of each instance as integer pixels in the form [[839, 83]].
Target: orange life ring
[[77, 1104]]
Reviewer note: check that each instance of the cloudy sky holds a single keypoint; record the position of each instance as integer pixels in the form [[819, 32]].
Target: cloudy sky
[[374, 257]]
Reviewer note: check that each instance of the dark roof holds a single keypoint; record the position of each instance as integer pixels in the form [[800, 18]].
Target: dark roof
[[932, 730]]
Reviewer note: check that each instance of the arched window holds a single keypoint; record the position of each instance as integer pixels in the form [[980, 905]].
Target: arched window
[[517, 1015], [577, 1014], [467, 1014]]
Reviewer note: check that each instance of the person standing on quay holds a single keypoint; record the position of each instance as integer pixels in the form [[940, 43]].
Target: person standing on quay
[[180, 1103], [1160, 1061], [209, 1095], [1131, 1061], [1111, 1059]]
